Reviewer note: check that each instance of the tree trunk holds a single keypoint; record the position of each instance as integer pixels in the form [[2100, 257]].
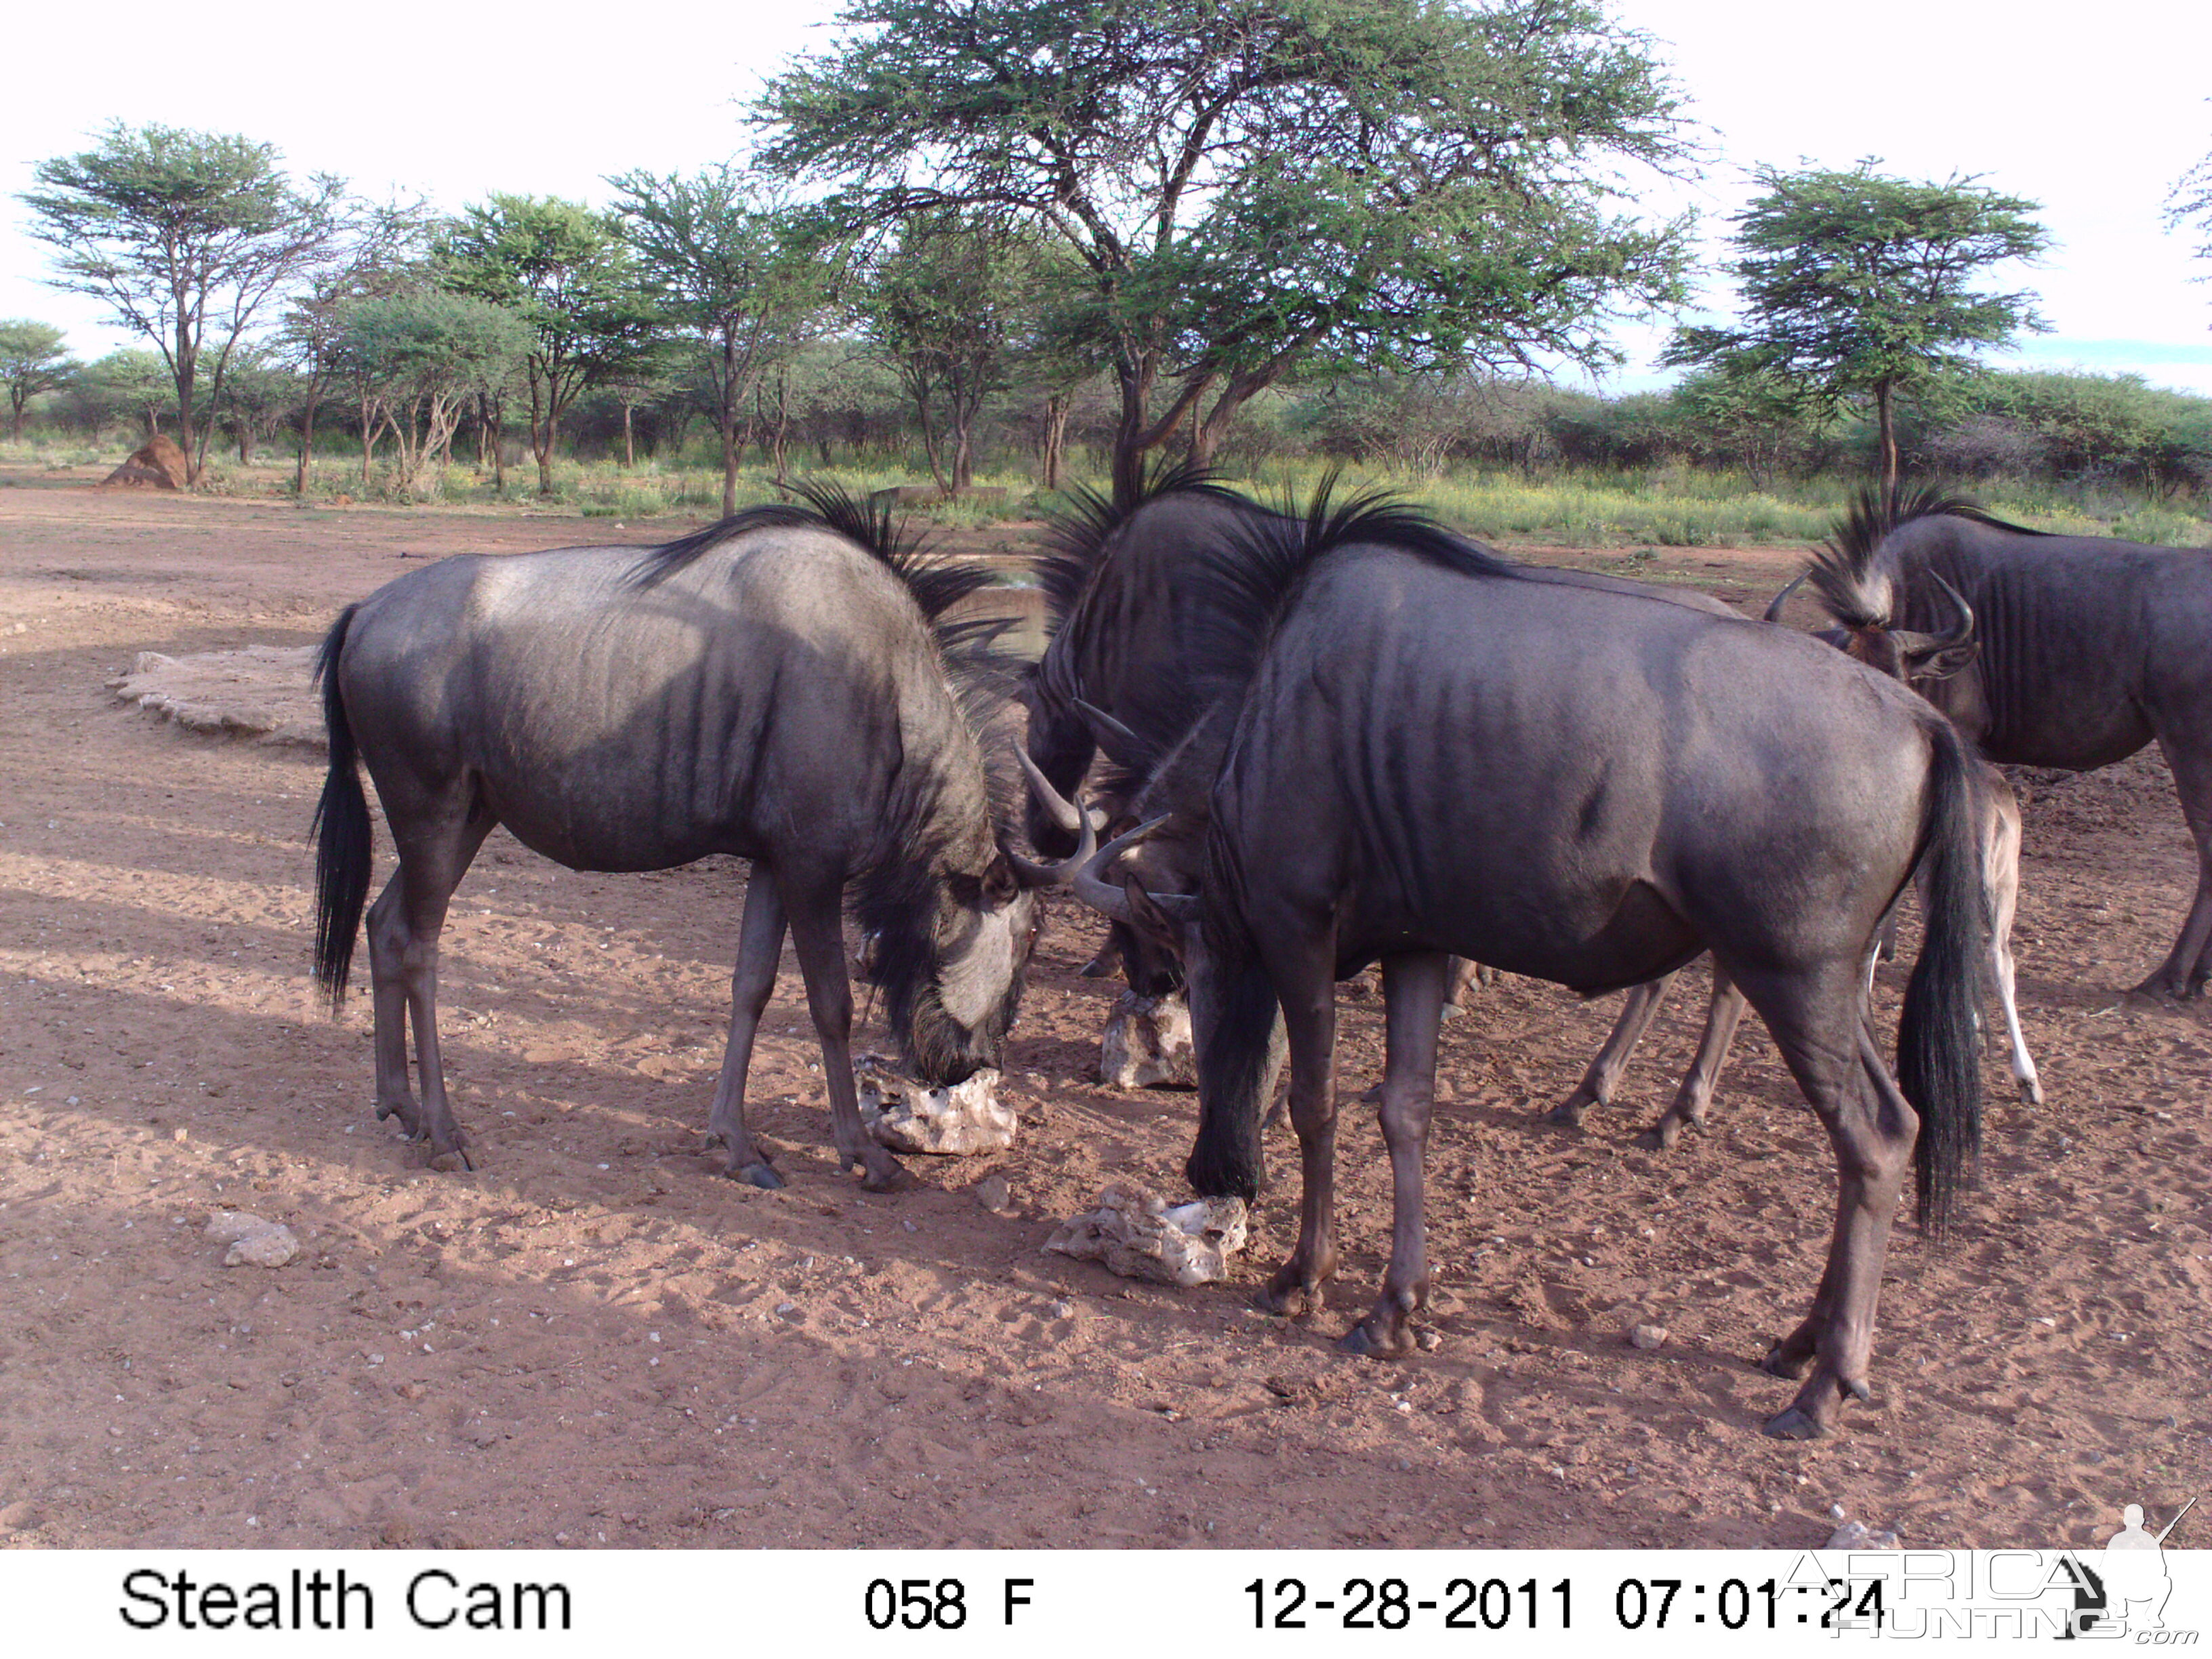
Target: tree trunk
[[1887, 419], [306, 448], [727, 417], [629, 442], [1055, 437], [368, 442]]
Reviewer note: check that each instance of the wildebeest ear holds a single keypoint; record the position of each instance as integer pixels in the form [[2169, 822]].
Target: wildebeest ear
[[1942, 665]]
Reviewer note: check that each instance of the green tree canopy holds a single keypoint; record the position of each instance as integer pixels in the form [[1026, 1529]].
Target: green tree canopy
[[1856, 285], [185, 236], [567, 273], [736, 266], [1399, 184], [33, 359], [418, 358]]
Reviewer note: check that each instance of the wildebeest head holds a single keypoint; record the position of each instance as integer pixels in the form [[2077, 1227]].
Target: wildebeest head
[[1867, 598]]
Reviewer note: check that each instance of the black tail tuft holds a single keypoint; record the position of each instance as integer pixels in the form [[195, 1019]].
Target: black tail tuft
[[1938, 1051], [342, 843]]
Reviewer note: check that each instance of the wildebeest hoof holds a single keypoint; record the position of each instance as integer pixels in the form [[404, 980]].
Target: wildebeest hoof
[[1858, 1390], [453, 1158], [893, 1178], [760, 1173], [1795, 1424], [1656, 1138], [1293, 1299], [1568, 1114], [1362, 1339], [2031, 1092]]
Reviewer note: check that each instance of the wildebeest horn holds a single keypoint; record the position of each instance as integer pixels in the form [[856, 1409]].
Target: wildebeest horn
[[1094, 890], [1774, 610], [1919, 647], [1125, 745], [1068, 816]]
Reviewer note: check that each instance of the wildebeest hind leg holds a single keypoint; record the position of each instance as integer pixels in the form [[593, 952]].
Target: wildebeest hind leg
[[760, 945], [1413, 990], [1872, 1129], [815, 907], [1305, 985], [405, 925], [2189, 964], [1604, 1074], [1694, 1097]]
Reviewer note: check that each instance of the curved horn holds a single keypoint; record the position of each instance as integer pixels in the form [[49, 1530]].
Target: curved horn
[[1117, 739], [1918, 647], [1774, 610], [1068, 817], [1061, 810], [1094, 890]]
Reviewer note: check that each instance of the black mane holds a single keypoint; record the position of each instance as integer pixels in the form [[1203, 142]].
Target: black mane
[[1076, 537], [1253, 578], [1855, 588]]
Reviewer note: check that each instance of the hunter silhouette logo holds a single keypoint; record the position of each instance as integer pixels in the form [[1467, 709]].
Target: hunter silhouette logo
[[2125, 1588]]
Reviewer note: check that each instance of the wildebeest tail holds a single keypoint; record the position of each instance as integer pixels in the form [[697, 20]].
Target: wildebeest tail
[[1938, 1049], [343, 844]]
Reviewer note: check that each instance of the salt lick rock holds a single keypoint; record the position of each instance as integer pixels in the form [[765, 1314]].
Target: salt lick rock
[[1147, 1043], [909, 1116], [1138, 1234], [258, 690]]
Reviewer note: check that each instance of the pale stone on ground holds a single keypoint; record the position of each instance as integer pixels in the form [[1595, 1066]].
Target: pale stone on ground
[[1147, 1043], [254, 1242], [1138, 1234], [258, 690], [909, 1116]]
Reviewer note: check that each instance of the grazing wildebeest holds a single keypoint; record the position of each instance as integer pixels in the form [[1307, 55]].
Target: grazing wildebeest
[[1439, 755], [783, 686], [2086, 649]]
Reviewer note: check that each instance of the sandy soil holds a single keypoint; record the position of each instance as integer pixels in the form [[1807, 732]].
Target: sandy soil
[[596, 1340]]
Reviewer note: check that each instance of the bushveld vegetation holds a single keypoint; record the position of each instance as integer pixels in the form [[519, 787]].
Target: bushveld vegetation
[[1230, 247]]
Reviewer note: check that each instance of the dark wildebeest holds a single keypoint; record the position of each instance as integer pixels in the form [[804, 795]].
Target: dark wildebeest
[[2087, 649], [1918, 658], [1439, 755], [783, 687]]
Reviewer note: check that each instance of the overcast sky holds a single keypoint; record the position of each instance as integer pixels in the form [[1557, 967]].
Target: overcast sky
[[2095, 117]]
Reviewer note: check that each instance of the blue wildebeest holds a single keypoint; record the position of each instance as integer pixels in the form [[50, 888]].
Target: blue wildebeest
[[2086, 649], [1439, 755], [784, 687]]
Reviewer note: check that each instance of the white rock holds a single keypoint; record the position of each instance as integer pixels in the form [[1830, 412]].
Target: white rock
[[272, 1246], [1137, 1234], [908, 1116], [225, 1226], [1647, 1337], [1147, 1043]]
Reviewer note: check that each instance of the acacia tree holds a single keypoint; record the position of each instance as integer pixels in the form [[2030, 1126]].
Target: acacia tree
[[2190, 202], [738, 266], [1858, 286], [1252, 184], [417, 359], [567, 272], [32, 360], [185, 236], [377, 252], [948, 304]]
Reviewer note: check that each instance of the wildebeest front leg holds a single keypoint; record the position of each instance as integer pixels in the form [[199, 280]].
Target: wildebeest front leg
[[1413, 990], [1604, 1074], [815, 909], [1695, 1095], [1872, 1128], [1308, 995], [760, 946]]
